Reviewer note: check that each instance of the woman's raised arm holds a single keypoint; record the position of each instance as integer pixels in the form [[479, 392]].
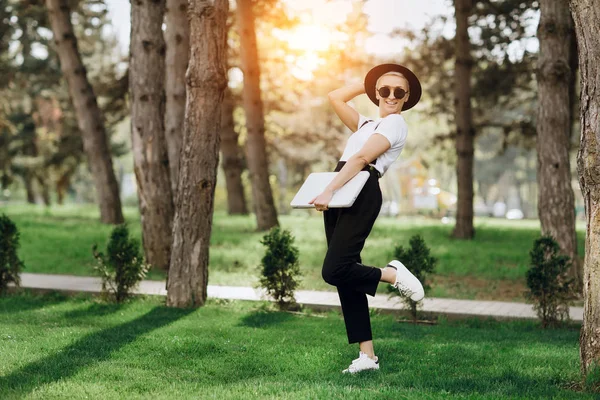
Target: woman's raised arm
[[338, 99]]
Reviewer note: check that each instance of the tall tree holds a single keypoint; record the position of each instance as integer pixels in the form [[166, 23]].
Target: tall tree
[[89, 116], [586, 14], [502, 81], [465, 132], [232, 163], [151, 162], [46, 143], [556, 203], [188, 273], [177, 39], [256, 154]]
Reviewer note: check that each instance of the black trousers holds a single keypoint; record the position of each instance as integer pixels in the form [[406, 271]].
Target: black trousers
[[346, 230]]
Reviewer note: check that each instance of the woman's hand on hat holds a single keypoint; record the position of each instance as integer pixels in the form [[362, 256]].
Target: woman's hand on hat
[[321, 202]]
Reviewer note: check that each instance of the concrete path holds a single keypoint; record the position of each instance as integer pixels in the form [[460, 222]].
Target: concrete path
[[316, 299]]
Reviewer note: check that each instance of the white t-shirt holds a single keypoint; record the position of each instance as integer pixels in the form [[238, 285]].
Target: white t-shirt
[[393, 127]]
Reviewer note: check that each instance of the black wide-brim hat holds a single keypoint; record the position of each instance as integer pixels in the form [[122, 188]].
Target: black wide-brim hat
[[375, 73]]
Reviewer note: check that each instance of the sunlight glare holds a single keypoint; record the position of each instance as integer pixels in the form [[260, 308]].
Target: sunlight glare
[[309, 38], [305, 65], [311, 41]]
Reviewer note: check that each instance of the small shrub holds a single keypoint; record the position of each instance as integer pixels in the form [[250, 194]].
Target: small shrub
[[10, 264], [549, 288], [122, 268], [279, 267], [418, 259]]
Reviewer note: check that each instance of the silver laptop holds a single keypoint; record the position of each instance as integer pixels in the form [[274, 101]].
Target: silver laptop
[[318, 181]]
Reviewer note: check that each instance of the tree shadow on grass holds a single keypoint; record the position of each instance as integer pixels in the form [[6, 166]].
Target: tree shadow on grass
[[94, 310], [89, 350], [25, 300], [264, 319]]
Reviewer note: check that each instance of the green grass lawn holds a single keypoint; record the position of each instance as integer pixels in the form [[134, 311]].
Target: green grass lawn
[[493, 266], [54, 346]]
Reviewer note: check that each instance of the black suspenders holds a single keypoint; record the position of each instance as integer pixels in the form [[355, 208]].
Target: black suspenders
[[366, 122]]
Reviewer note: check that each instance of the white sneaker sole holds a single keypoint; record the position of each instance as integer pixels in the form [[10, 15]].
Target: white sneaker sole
[[405, 278], [352, 372]]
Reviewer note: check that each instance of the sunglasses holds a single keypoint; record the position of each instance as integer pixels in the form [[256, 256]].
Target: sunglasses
[[385, 91]]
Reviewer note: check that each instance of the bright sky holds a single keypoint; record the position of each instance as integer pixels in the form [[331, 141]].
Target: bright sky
[[384, 16]]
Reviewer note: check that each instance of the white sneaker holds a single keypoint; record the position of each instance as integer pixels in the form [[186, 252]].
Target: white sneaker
[[406, 282], [362, 363]]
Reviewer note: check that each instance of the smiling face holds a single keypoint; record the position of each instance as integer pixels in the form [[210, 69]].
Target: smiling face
[[391, 105]]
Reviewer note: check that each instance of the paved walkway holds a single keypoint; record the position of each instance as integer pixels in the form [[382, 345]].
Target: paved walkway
[[317, 299]]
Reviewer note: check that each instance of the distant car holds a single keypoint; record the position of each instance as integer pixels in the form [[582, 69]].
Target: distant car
[[514, 213]]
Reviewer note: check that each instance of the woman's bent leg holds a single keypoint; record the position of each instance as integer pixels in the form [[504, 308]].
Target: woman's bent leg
[[346, 230]]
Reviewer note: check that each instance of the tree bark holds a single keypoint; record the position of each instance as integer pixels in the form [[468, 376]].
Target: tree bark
[[177, 40], [586, 14], [206, 81], [256, 153], [465, 132], [151, 163], [556, 201], [232, 163], [89, 116]]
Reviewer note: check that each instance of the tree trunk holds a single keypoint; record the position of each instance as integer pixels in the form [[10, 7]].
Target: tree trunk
[[256, 153], [45, 191], [28, 182], [465, 132], [151, 163], [61, 189], [63, 182], [89, 116], [284, 204], [206, 81], [232, 163], [177, 40], [556, 201], [586, 14]]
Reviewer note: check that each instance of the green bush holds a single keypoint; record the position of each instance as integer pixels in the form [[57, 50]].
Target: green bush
[[418, 259], [279, 267], [122, 268], [549, 288], [10, 264]]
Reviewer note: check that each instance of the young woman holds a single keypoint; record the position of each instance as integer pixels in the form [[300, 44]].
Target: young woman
[[373, 147]]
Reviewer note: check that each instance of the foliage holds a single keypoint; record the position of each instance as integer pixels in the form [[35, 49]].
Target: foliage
[[10, 264], [122, 268], [503, 95], [549, 288], [279, 267], [418, 259], [39, 139]]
